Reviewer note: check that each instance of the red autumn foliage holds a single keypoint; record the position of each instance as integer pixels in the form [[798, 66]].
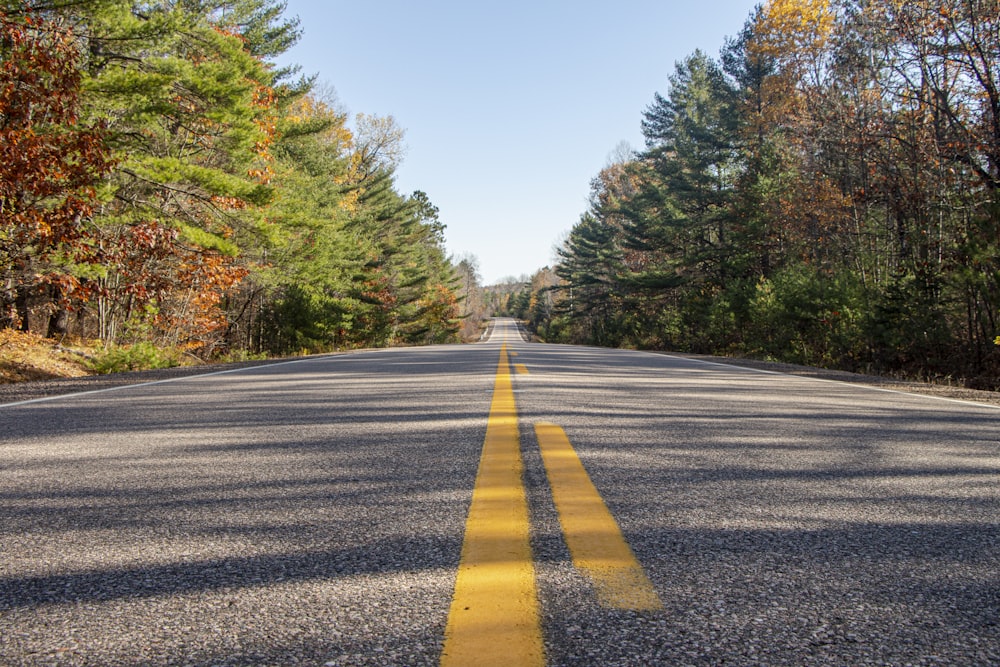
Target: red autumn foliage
[[49, 164]]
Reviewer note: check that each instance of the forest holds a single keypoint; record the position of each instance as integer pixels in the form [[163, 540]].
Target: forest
[[165, 185], [826, 191]]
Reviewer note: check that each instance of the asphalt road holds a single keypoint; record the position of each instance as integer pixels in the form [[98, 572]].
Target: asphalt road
[[314, 512]]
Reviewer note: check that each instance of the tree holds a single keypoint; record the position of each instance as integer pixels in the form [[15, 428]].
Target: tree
[[235, 211], [693, 166], [827, 196], [298, 296], [472, 297], [191, 120], [50, 166]]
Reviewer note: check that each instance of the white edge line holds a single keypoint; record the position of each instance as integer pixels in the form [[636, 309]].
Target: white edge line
[[844, 382], [77, 394]]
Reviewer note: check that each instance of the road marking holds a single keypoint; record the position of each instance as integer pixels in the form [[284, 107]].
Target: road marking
[[494, 617], [122, 387], [594, 539], [856, 385], [521, 369]]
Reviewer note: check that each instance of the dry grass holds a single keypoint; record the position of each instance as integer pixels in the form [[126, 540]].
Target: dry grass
[[26, 356]]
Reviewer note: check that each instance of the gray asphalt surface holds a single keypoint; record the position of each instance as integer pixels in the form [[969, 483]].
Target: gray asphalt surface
[[313, 513]]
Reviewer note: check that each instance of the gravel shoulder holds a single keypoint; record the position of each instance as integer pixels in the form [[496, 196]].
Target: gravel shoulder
[[25, 391]]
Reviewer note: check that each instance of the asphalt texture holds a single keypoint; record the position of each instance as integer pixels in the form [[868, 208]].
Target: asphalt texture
[[313, 513]]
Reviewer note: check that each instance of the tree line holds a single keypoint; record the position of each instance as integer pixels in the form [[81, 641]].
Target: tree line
[[826, 191], [163, 180]]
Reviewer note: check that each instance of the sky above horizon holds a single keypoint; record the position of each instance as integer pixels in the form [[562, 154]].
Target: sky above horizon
[[510, 108]]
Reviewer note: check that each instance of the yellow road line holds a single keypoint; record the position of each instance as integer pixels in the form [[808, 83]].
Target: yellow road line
[[494, 617], [521, 369], [594, 539]]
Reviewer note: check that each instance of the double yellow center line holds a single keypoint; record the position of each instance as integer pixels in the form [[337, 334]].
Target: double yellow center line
[[494, 617]]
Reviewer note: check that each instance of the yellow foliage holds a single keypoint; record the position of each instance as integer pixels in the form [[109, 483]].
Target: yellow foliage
[[796, 34], [308, 108], [790, 27]]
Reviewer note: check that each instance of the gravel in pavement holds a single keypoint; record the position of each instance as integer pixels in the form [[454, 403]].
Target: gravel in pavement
[[295, 515]]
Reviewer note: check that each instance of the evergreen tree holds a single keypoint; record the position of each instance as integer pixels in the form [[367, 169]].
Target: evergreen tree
[[693, 165]]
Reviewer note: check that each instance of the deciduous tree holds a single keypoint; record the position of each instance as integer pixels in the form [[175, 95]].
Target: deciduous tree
[[51, 163]]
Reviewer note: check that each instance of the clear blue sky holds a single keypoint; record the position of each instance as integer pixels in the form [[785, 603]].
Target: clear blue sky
[[510, 108]]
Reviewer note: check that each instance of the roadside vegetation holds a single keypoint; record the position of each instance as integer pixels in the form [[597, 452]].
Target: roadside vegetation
[[825, 192], [168, 192], [26, 356]]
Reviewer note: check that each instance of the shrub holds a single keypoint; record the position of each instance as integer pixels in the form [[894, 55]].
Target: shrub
[[138, 357]]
